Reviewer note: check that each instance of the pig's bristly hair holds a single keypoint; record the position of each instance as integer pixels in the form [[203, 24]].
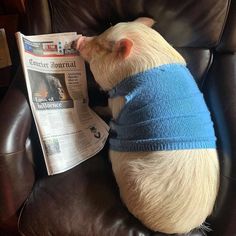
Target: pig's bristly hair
[[149, 50], [169, 191]]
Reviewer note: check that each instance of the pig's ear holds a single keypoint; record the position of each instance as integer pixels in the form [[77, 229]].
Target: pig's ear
[[146, 21], [123, 47]]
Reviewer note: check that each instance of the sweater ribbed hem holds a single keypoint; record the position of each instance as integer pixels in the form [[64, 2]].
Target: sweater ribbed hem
[[145, 146]]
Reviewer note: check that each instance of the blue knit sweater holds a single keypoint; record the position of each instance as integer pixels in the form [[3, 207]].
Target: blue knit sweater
[[164, 110]]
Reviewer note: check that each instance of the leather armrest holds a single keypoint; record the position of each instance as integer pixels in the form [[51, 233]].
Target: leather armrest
[[220, 94], [16, 170]]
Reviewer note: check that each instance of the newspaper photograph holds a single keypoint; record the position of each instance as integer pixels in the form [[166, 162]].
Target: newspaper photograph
[[69, 131]]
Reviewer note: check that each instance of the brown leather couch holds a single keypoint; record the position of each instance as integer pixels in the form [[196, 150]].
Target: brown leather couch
[[84, 201]]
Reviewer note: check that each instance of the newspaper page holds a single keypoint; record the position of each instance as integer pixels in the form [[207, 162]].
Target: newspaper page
[[70, 132]]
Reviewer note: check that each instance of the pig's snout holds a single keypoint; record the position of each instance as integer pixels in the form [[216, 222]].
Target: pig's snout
[[81, 42], [83, 45], [78, 43]]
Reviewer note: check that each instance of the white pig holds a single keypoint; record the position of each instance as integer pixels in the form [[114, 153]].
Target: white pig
[[169, 190]]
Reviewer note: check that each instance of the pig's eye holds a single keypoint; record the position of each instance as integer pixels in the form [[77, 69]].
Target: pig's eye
[[103, 45], [111, 45], [98, 47], [107, 46]]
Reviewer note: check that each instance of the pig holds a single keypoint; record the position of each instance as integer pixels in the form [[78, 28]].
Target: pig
[[170, 190]]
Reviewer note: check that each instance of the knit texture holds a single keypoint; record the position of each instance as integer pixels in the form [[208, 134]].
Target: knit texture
[[164, 110]]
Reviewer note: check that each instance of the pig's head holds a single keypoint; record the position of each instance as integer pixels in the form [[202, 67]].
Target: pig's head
[[126, 49]]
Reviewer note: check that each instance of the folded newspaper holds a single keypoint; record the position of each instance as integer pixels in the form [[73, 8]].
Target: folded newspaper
[[69, 131]]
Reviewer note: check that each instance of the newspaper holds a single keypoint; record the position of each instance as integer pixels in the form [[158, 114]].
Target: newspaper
[[69, 131]]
